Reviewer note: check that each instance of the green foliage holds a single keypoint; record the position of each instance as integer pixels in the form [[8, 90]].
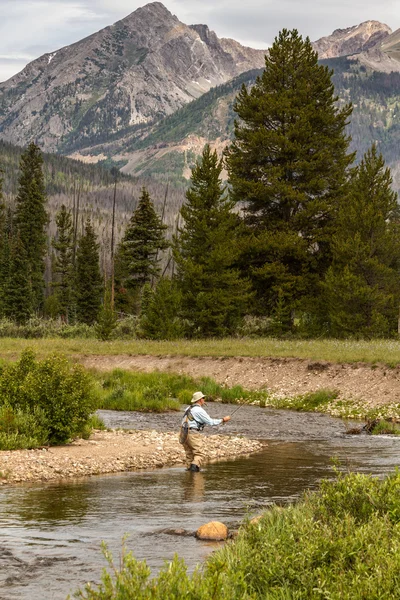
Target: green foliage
[[157, 392], [21, 429], [57, 394], [288, 164], [341, 542], [138, 255], [386, 428], [214, 295], [314, 401], [31, 220], [160, 318], [147, 392], [4, 246], [18, 298], [63, 276], [362, 287], [89, 285], [107, 319]]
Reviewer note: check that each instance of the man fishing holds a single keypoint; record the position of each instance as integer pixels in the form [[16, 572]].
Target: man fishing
[[197, 418]]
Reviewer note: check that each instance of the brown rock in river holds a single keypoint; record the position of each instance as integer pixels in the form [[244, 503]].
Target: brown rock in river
[[212, 531]]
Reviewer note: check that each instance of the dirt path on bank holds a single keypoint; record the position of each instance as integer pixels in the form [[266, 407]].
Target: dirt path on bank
[[375, 385]]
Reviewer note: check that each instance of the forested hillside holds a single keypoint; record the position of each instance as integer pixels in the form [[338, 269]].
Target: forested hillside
[[90, 188], [174, 143]]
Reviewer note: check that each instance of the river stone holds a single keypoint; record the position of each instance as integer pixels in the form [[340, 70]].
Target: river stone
[[212, 531]]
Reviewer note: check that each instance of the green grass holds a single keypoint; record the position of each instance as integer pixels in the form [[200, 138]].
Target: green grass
[[311, 402], [325, 401], [349, 351], [339, 543], [386, 427], [159, 392]]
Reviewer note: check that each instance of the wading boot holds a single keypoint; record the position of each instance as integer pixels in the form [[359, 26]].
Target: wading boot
[[194, 468]]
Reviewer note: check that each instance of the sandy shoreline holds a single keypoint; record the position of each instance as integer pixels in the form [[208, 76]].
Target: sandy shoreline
[[111, 452]]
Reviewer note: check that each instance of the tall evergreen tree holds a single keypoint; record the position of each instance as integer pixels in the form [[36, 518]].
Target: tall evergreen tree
[[138, 254], [362, 287], [4, 259], [89, 286], [18, 291], [287, 167], [214, 295], [31, 219], [63, 268]]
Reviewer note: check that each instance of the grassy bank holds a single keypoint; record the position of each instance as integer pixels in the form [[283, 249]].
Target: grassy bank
[[341, 543], [326, 401], [158, 392], [374, 351]]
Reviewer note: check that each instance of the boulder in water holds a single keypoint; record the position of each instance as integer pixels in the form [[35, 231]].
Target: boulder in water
[[214, 530]]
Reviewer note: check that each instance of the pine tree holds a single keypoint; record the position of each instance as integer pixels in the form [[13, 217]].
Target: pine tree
[[138, 254], [31, 219], [214, 295], [18, 291], [160, 317], [107, 319], [4, 257], [287, 166], [89, 286], [362, 287], [63, 268]]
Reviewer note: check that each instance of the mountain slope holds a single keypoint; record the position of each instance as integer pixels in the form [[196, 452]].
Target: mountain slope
[[139, 69], [352, 40], [169, 148]]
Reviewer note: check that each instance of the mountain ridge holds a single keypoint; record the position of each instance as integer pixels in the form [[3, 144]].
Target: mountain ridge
[[120, 93], [143, 67]]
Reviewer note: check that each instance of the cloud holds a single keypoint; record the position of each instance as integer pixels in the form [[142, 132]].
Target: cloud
[[33, 27]]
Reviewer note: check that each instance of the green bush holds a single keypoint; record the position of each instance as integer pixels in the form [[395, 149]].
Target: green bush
[[58, 395], [19, 429], [36, 328]]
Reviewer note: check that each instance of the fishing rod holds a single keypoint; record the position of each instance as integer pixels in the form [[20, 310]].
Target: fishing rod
[[236, 409]]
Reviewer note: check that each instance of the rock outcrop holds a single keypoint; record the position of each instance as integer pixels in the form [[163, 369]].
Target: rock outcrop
[[352, 40]]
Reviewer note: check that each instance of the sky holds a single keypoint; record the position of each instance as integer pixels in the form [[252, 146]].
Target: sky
[[30, 28]]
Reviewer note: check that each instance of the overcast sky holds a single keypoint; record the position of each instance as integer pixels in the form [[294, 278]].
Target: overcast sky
[[30, 28]]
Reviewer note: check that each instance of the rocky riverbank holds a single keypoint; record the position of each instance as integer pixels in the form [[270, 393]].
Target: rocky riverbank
[[110, 452]]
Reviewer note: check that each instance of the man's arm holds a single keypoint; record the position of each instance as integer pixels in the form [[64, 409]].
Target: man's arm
[[202, 417]]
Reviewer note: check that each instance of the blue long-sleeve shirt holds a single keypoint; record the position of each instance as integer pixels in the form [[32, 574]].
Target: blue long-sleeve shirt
[[201, 417]]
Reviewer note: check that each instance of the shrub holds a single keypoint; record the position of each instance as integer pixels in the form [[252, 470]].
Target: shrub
[[37, 327], [20, 429], [59, 395]]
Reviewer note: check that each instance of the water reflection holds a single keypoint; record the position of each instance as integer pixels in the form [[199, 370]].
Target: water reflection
[[193, 487], [50, 505]]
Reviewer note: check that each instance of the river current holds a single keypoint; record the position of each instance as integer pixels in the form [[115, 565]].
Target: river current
[[51, 534]]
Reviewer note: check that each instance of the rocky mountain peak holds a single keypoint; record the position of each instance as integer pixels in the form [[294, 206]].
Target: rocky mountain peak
[[352, 40], [143, 67]]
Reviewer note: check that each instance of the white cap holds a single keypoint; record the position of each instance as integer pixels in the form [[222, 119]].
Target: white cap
[[197, 396]]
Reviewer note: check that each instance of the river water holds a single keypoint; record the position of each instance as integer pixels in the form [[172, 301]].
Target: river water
[[51, 533]]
